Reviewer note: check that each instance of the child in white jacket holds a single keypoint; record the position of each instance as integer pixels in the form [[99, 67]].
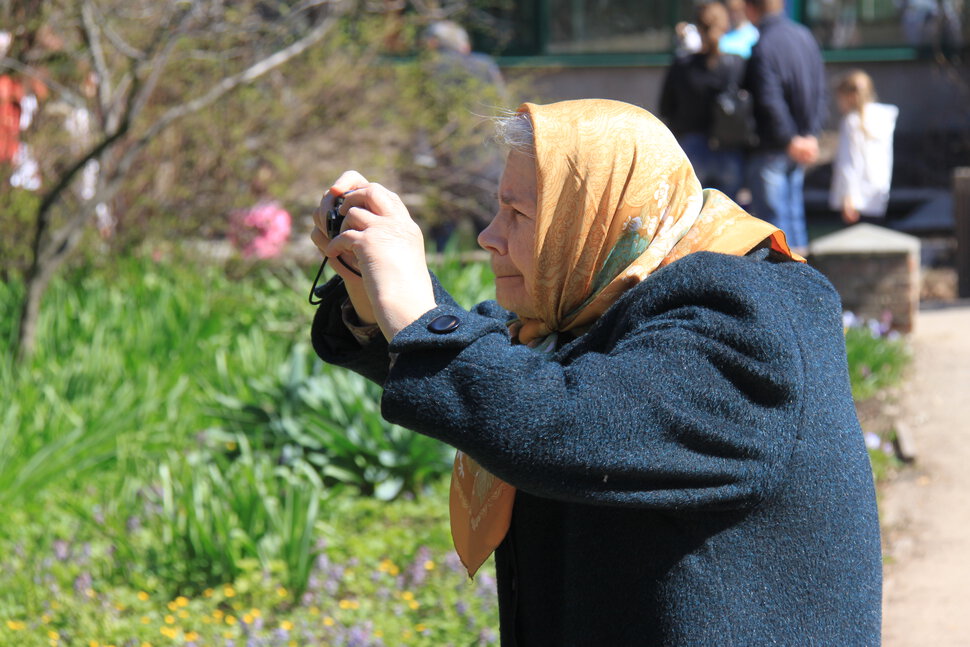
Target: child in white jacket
[[863, 166]]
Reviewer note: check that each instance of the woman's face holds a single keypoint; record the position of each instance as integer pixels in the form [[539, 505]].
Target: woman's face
[[510, 238]]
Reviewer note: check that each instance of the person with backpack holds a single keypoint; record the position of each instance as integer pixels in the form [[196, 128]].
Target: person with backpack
[[688, 101]]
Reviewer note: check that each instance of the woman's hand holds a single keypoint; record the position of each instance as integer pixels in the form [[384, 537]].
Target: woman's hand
[[388, 247], [850, 215], [355, 286]]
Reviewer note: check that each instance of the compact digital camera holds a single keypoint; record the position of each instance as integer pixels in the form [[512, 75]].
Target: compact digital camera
[[334, 219]]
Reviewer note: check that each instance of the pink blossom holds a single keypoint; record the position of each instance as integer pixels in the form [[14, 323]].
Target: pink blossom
[[260, 231]]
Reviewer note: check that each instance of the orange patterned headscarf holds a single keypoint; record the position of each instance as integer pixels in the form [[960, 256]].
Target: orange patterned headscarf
[[617, 199]]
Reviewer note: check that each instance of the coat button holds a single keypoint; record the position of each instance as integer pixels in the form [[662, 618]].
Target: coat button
[[443, 324]]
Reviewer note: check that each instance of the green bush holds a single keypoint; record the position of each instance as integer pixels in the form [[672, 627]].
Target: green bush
[[203, 519], [18, 207], [331, 419]]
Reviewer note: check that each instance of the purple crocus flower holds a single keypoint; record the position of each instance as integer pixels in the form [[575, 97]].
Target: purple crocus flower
[[872, 440]]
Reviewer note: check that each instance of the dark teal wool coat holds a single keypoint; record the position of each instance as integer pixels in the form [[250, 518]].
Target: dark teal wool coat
[[690, 471]]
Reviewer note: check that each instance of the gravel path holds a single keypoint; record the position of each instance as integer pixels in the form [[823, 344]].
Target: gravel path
[[926, 511]]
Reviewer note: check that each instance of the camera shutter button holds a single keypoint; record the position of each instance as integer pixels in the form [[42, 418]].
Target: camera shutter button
[[444, 324]]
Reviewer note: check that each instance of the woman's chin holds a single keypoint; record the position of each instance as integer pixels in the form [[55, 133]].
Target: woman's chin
[[515, 301]]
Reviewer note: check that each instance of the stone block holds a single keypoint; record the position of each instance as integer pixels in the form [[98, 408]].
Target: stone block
[[874, 269]]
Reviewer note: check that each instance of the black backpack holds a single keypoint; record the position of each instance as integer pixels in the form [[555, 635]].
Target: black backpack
[[732, 116]]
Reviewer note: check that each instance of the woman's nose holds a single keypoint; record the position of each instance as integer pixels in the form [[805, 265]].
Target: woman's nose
[[492, 239]]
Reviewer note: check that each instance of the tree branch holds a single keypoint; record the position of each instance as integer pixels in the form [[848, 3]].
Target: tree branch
[[89, 31], [227, 85]]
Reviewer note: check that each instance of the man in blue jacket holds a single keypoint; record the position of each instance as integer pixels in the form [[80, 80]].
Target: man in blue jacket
[[786, 77]]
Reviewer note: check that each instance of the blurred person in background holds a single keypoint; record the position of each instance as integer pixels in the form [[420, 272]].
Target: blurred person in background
[[466, 173], [655, 427], [687, 39], [450, 42], [863, 166], [690, 89], [786, 79], [743, 34]]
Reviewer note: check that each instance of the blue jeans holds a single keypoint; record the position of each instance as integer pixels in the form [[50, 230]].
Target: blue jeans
[[777, 194], [722, 170]]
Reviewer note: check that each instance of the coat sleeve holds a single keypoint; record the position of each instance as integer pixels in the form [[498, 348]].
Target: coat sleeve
[[689, 403], [335, 344]]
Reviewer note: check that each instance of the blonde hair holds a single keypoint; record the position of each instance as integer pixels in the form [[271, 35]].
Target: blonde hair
[[858, 88]]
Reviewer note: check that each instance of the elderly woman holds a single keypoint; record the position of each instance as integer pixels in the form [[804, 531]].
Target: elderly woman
[[654, 424]]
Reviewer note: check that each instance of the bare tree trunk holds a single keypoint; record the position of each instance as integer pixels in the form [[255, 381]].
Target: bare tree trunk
[[37, 281], [43, 267]]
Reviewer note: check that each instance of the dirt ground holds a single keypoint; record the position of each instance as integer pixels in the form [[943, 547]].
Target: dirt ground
[[926, 508]]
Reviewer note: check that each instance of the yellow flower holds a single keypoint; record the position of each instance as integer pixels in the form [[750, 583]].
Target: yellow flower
[[145, 620], [207, 593], [191, 636], [429, 565], [286, 625], [53, 635], [407, 633], [314, 611], [143, 596], [170, 620], [419, 628], [282, 592], [90, 593], [169, 632], [227, 634], [93, 643], [55, 605], [16, 625], [256, 613], [45, 619], [231, 446], [292, 643], [182, 601], [414, 604], [328, 621], [119, 606], [248, 619], [346, 604], [228, 591], [230, 620], [172, 606], [407, 595], [146, 644], [378, 633], [217, 614], [183, 614]]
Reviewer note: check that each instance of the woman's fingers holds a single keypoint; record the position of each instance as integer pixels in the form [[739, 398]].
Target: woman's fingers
[[347, 182], [377, 199], [319, 239]]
